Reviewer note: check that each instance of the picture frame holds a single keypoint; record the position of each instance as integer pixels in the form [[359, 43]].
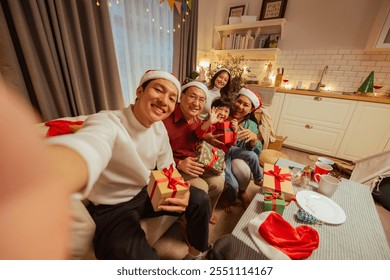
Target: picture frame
[[237, 11], [272, 9]]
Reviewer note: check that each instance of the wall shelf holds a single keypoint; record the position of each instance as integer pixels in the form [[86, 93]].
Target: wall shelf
[[263, 27], [251, 54], [267, 26]]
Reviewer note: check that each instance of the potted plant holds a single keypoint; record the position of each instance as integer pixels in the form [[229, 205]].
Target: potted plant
[[235, 64]]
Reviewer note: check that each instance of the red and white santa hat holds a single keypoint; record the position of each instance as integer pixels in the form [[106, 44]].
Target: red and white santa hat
[[277, 239], [157, 74], [197, 84], [253, 96]]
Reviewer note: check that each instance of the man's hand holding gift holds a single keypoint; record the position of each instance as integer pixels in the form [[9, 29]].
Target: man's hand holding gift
[[190, 166]]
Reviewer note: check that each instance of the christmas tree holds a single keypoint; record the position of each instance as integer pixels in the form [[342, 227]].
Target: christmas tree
[[368, 84]]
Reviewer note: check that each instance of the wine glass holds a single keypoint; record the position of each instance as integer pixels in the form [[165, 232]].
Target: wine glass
[[285, 81], [378, 84]]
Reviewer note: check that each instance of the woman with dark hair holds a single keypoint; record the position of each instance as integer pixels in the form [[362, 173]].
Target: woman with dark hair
[[219, 86], [247, 148], [238, 148], [246, 103]]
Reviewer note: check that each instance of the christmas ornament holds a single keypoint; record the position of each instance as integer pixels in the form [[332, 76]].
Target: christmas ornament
[[307, 218]]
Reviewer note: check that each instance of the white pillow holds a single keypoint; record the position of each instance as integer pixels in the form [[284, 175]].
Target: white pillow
[[83, 230]]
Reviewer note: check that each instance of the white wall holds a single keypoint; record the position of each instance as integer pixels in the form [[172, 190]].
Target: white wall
[[317, 33], [329, 24], [311, 24]]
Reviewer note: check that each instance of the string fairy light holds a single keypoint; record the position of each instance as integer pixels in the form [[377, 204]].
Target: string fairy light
[[148, 10]]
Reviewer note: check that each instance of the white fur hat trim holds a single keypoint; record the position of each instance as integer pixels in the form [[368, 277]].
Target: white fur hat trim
[[253, 97], [222, 69], [268, 250], [157, 74], [199, 85]]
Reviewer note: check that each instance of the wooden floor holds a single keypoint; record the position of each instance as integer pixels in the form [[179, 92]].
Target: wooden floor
[[173, 246]]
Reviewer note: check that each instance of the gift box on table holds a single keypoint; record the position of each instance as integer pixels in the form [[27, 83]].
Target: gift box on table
[[211, 157], [278, 179], [227, 133], [274, 202], [165, 183]]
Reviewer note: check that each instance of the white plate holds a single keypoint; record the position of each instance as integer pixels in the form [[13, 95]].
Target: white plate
[[325, 160], [321, 207]]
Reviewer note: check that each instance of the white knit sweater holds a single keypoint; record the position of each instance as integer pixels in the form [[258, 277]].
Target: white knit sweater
[[120, 153]]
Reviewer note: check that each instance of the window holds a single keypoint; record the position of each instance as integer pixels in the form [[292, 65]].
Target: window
[[143, 36]]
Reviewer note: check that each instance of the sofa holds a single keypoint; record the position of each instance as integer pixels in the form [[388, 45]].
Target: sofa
[[83, 226]]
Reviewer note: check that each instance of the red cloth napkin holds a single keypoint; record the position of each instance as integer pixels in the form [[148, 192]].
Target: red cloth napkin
[[58, 127]]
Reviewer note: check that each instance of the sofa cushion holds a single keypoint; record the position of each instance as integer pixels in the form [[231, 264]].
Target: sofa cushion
[[155, 227], [83, 230]]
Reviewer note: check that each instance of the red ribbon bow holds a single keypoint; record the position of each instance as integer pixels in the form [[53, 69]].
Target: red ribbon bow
[[172, 181], [274, 196], [278, 178], [214, 158]]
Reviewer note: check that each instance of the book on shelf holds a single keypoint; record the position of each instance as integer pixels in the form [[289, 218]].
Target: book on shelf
[[237, 41], [249, 40]]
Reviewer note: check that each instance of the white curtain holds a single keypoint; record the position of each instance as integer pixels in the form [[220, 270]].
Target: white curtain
[[143, 35]]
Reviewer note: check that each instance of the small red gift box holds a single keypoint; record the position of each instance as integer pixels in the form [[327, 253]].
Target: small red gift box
[[277, 179], [224, 128], [165, 183]]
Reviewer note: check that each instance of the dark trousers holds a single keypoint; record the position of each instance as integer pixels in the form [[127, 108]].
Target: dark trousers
[[119, 234]]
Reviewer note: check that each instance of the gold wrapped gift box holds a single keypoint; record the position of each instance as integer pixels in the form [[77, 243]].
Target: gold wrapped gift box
[[165, 183], [277, 179]]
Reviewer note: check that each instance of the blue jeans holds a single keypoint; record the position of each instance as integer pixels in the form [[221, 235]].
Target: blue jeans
[[251, 158]]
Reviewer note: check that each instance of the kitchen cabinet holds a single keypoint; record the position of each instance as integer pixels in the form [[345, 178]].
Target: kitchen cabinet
[[379, 37], [368, 132], [275, 108], [272, 102], [242, 44], [314, 123]]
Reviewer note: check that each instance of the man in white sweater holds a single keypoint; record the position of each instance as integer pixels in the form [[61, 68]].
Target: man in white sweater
[[110, 159]]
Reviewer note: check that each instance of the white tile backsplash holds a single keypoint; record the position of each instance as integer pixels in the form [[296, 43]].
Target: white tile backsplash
[[347, 68]]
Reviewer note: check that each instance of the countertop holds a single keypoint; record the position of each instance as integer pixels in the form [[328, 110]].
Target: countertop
[[357, 97]]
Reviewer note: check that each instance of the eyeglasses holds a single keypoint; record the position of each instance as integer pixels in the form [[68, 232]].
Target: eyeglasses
[[194, 97]]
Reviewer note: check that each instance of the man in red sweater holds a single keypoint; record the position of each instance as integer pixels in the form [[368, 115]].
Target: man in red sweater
[[181, 126]]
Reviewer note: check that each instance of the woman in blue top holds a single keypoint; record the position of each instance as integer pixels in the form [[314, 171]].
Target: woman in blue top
[[247, 148]]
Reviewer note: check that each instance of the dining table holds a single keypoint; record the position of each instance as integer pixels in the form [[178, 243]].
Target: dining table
[[358, 235]]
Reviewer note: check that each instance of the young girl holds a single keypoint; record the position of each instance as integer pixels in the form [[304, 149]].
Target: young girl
[[219, 86], [220, 112]]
